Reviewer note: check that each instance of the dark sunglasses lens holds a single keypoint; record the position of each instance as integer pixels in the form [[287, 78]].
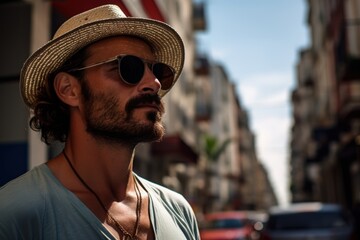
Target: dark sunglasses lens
[[164, 74], [131, 69]]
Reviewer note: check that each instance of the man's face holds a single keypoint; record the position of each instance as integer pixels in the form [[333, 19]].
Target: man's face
[[113, 110]]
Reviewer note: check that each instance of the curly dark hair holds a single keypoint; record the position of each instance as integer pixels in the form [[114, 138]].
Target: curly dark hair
[[51, 115]]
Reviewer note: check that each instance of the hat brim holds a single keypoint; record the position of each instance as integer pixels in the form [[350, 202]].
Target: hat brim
[[166, 43]]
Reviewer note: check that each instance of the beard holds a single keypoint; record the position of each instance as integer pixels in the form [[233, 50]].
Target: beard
[[105, 121]]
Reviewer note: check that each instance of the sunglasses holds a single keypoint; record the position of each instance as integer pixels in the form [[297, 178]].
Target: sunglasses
[[131, 70]]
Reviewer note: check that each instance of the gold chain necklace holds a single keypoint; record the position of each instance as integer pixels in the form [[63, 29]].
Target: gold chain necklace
[[110, 218]]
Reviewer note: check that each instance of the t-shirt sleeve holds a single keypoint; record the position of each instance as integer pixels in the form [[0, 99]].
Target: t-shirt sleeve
[[188, 214], [177, 207]]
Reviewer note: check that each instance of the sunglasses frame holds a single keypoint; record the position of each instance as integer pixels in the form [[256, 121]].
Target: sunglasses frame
[[118, 58]]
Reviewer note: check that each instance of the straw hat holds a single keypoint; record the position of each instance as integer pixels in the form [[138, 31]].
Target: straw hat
[[88, 27]]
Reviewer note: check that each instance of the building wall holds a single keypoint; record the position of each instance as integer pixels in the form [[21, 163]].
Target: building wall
[[326, 153], [15, 48]]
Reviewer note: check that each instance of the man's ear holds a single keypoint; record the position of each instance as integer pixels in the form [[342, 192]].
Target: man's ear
[[67, 88]]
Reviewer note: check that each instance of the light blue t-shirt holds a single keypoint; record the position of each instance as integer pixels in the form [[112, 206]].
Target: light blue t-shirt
[[37, 206]]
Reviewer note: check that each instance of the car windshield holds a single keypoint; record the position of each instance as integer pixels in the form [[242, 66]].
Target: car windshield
[[225, 224], [307, 220]]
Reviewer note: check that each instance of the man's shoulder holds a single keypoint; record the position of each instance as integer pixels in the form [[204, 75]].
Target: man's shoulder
[[22, 192], [166, 202], [26, 180], [23, 204]]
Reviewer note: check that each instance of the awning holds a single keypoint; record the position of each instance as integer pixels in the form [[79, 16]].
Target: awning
[[175, 149], [69, 8]]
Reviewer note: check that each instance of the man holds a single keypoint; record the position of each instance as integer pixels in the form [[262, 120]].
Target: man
[[97, 86]]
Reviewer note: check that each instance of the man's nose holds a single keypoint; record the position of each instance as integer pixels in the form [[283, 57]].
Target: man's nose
[[149, 83]]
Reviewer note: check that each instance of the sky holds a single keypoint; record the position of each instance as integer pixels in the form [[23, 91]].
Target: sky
[[258, 44]]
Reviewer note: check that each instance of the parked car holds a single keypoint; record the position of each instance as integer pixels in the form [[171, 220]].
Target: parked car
[[308, 221], [231, 225]]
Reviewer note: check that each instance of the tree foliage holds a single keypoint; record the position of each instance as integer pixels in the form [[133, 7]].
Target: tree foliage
[[213, 148]]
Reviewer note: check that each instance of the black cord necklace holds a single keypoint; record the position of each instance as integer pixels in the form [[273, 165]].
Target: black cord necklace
[[110, 219]]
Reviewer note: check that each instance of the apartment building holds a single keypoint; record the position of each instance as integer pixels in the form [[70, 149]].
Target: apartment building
[[324, 157]]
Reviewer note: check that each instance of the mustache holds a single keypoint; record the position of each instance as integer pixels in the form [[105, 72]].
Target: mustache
[[144, 99]]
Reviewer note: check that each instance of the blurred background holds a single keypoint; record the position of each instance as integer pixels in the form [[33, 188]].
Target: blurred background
[[265, 113]]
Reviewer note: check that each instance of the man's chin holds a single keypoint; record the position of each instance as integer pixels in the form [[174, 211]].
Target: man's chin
[[147, 132], [155, 134]]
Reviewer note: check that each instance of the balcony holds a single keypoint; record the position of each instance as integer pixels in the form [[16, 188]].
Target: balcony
[[203, 112], [349, 100], [199, 19], [202, 66], [347, 52], [322, 137]]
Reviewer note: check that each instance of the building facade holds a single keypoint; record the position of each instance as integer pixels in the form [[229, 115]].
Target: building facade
[[325, 159]]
